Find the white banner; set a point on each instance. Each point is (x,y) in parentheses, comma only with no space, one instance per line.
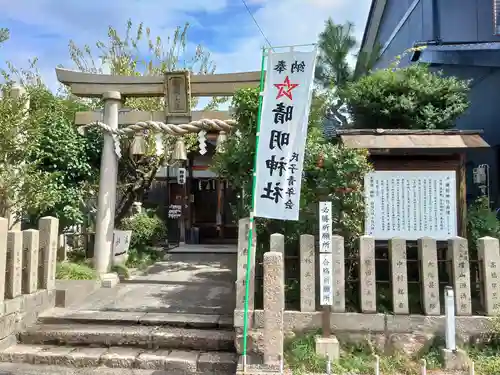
(411,204)
(325,227)
(283,132)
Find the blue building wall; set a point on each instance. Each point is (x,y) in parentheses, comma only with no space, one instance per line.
(449,20)
(452,21)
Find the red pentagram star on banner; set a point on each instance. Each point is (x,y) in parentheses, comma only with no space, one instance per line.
(289,87)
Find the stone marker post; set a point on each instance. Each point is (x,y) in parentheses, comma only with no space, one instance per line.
(307,274)
(459,252)
(48,232)
(14,274)
(338,274)
(427,254)
(274,306)
(243,231)
(489,258)
(399,276)
(4,225)
(367,274)
(277,243)
(30,261)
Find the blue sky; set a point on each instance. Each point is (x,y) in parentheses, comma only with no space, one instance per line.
(43,28)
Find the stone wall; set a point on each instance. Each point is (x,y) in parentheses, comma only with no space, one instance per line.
(28,266)
(272,320)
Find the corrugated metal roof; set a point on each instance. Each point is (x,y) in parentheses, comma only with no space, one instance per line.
(413,141)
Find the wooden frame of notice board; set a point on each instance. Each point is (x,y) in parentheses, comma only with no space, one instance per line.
(419,150)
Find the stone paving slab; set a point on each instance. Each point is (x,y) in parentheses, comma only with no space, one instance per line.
(66,316)
(174,361)
(138,336)
(182,283)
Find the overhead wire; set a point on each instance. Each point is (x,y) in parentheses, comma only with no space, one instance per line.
(257,24)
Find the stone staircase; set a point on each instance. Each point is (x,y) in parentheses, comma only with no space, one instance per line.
(150,343)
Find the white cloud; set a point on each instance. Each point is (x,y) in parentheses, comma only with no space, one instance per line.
(43,28)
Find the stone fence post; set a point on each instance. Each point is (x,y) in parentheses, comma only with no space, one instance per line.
(307,274)
(427,255)
(338,254)
(489,258)
(4,226)
(243,231)
(274,306)
(14,274)
(459,253)
(367,274)
(48,236)
(399,276)
(30,261)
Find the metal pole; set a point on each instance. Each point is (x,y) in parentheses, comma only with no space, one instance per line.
(377,365)
(106,200)
(449,311)
(423,370)
(328,365)
(472,370)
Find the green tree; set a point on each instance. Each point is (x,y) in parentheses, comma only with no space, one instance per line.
(122,55)
(23,184)
(67,156)
(336,44)
(4,34)
(58,165)
(406,98)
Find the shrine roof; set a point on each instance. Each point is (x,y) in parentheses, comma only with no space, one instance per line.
(411,139)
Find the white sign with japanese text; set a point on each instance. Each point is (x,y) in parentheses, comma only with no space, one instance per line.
(283,132)
(121,244)
(411,204)
(325,227)
(326,279)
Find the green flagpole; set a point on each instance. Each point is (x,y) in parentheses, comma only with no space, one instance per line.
(250,231)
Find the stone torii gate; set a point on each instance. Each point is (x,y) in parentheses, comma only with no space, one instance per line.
(176,120)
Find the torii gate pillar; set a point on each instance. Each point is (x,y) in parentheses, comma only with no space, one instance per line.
(106,200)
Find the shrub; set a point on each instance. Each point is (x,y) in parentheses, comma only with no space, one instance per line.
(481,222)
(147,229)
(412,97)
(75,271)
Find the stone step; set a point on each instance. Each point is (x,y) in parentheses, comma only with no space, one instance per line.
(61,315)
(171,361)
(148,337)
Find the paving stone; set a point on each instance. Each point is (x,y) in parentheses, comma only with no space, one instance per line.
(218,362)
(20,353)
(53,355)
(120,357)
(86,357)
(156,360)
(182,361)
(193,339)
(226,321)
(183,320)
(61,315)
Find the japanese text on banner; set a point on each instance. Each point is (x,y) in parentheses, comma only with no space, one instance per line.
(283,133)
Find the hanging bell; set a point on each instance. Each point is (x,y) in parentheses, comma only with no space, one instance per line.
(179,151)
(221,138)
(138,146)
